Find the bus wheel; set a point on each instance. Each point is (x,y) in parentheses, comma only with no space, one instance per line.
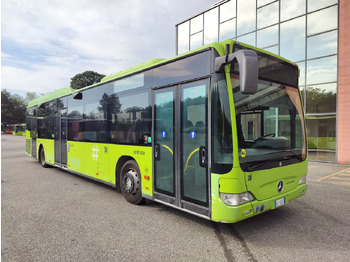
(130,183)
(42,158)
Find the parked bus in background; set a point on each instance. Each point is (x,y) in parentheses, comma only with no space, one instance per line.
(218,132)
(19,129)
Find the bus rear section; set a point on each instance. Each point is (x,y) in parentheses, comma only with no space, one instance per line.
(269,144)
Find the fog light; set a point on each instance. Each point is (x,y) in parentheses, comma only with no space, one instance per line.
(262,207)
(302,180)
(236,199)
(247,212)
(256,210)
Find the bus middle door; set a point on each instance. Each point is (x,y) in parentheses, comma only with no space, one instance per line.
(61,137)
(180,146)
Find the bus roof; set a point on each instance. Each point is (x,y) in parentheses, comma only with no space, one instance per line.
(219,46)
(50,96)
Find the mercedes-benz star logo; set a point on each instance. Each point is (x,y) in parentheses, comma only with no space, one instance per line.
(280,186)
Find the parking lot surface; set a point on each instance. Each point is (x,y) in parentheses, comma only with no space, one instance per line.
(52,215)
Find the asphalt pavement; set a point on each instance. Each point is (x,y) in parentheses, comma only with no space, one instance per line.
(52,215)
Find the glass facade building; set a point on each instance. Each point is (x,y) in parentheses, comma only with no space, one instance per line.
(303,31)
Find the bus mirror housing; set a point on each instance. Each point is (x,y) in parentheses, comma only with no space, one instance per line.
(78,96)
(248,68)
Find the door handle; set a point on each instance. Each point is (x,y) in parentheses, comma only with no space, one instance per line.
(157,151)
(203,156)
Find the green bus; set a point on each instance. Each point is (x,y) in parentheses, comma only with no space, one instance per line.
(19,129)
(218,132)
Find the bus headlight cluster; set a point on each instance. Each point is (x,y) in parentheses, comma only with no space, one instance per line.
(236,199)
(302,180)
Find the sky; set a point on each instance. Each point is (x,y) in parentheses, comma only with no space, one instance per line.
(44,43)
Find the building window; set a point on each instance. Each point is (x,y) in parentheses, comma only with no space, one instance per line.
(322,70)
(227,11)
(292,39)
(313,5)
(196,40)
(183,38)
(322,21)
(321,98)
(196,24)
(228,30)
(211,26)
(246,17)
(268,15)
(321,137)
(292,9)
(264,2)
(303,31)
(267,37)
(322,45)
(247,39)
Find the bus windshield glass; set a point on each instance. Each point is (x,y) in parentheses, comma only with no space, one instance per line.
(270,124)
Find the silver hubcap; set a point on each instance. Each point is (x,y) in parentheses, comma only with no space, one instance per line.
(131,182)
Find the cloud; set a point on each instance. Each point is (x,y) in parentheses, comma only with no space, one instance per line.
(45,43)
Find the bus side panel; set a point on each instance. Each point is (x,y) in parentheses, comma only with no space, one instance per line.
(75,157)
(28,144)
(49,148)
(89,159)
(96,161)
(143,157)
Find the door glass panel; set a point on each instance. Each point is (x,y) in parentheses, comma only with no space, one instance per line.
(164,142)
(193,135)
(33,136)
(64,136)
(57,139)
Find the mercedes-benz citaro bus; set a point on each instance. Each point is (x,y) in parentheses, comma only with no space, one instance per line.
(218,132)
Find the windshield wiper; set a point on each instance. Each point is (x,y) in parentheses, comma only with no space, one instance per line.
(254,167)
(298,156)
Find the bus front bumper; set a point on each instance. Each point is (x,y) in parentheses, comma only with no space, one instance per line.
(231,214)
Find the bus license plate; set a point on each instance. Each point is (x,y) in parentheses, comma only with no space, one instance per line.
(280,202)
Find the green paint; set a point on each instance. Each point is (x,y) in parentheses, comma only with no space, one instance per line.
(99,161)
(50,96)
(49,148)
(264,192)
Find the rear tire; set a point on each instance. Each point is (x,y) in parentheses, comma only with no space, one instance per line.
(130,183)
(42,158)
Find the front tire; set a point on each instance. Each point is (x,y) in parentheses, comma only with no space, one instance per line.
(42,158)
(130,183)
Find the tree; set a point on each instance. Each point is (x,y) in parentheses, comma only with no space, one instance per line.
(85,79)
(29,96)
(13,108)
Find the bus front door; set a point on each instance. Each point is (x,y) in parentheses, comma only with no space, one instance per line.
(180,146)
(61,137)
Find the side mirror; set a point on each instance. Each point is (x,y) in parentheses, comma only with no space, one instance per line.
(78,96)
(248,69)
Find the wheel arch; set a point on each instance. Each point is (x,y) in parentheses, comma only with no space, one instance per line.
(118,168)
(39,149)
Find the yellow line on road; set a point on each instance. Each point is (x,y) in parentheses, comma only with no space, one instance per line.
(339,183)
(334,174)
(339,177)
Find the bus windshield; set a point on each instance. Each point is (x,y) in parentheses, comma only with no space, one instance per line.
(270,124)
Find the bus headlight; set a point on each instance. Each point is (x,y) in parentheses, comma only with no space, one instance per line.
(236,199)
(302,180)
